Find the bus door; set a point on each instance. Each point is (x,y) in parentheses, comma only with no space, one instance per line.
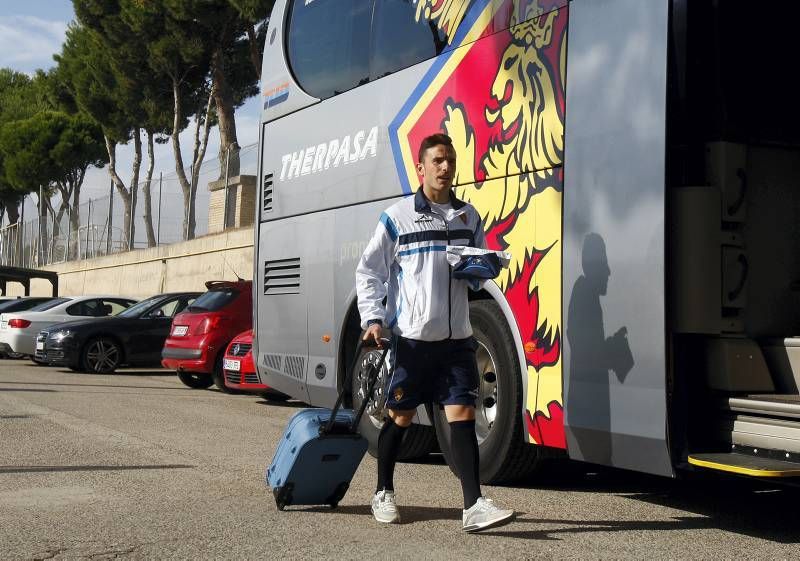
(614,193)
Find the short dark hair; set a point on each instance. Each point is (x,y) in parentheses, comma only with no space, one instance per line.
(431,141)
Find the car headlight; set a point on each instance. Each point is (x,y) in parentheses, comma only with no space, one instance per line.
(60,335)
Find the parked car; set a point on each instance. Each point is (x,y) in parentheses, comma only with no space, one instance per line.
(18,330)
(20,304)
(196,345)
(240,372)
(134,336)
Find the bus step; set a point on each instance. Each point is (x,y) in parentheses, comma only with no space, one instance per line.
(743,464)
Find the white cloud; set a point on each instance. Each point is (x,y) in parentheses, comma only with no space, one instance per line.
(29,42)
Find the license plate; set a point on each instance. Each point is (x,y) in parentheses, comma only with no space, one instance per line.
(180,330)
(229,364)
(39,345)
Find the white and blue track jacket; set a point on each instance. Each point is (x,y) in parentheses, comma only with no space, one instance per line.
(405,262)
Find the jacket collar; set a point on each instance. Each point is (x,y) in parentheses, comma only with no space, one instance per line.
(422,204)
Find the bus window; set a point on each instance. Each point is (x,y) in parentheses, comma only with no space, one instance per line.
(328,44)
(399,40)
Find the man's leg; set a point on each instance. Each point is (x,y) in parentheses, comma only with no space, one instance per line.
(464,448)
(389,440)
(384,506)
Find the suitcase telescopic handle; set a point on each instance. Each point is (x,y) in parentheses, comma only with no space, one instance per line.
(373,378)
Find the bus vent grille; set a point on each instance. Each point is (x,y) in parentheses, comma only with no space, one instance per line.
(282,276)
(296,367)
(267,198)
(273,362)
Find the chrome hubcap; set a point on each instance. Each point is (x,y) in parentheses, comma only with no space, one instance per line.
(102,355)
(374,410)
(486,404)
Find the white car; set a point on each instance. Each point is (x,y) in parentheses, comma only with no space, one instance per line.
(18,330)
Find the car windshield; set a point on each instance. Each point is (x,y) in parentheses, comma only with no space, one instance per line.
(138,308)
(48,305)
(214,299)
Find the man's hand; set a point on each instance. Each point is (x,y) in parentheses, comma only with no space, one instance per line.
(374,332)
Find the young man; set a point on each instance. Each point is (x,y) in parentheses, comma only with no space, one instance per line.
(404,284)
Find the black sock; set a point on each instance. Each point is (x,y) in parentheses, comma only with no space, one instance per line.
(389,440)
(464,447)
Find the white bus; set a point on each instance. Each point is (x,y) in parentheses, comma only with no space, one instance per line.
(637,158)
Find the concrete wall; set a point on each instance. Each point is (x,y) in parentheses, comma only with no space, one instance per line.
(142,273)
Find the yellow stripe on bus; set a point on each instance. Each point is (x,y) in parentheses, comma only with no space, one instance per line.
(754,472)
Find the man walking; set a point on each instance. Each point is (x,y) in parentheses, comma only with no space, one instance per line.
(405,284)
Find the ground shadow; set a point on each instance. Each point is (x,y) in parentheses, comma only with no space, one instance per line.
(24,389)
(291,404)
(49,469)
(680,523)
(181,388)
(410,514)
(738,505)
(122,372)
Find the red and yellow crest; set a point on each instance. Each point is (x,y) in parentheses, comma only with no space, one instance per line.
(498,92)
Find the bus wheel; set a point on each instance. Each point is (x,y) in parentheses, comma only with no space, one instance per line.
(418,440)
(504,454)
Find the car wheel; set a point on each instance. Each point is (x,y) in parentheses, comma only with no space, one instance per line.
(195,380)
(504,454)
(418,440)
(101,355)
(219,373)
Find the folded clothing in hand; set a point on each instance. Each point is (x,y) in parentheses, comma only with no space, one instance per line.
(472,263)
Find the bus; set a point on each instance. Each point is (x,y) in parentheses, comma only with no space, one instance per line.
(637,159)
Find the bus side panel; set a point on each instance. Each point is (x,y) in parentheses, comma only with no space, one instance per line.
(282,288)
(614,162)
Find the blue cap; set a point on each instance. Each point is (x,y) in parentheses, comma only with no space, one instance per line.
(478,267)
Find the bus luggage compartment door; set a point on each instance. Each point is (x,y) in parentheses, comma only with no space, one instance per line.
(281,324)
(614,197)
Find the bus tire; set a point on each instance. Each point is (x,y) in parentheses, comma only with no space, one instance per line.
(418,441)
(504,454)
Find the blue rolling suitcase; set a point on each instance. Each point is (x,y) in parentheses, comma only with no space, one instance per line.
(321,449)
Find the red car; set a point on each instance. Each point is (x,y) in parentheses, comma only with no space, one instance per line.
(240,372)
(199,336)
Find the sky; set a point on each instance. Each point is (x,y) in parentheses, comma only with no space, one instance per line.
(32,31)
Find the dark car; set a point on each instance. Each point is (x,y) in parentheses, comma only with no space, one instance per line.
(196,346)
(134,336)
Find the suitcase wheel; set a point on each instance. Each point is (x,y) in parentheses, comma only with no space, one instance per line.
(283,495)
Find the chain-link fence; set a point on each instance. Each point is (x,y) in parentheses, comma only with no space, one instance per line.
(100,226)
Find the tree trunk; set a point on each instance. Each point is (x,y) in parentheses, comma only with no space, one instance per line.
(148,201)
(13,213)
(130,218)
(226,119)
(111,147)
(186,188)
(252,42)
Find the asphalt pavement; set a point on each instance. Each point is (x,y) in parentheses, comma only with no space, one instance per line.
(135,465)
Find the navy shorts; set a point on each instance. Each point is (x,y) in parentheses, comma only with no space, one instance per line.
(443,372)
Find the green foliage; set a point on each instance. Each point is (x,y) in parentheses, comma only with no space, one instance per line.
(253,11)
(49,147)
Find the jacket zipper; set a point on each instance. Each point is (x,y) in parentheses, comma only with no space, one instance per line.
(449,280)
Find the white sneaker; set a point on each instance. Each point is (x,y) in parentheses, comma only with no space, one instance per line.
(384,508)
(484,514)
